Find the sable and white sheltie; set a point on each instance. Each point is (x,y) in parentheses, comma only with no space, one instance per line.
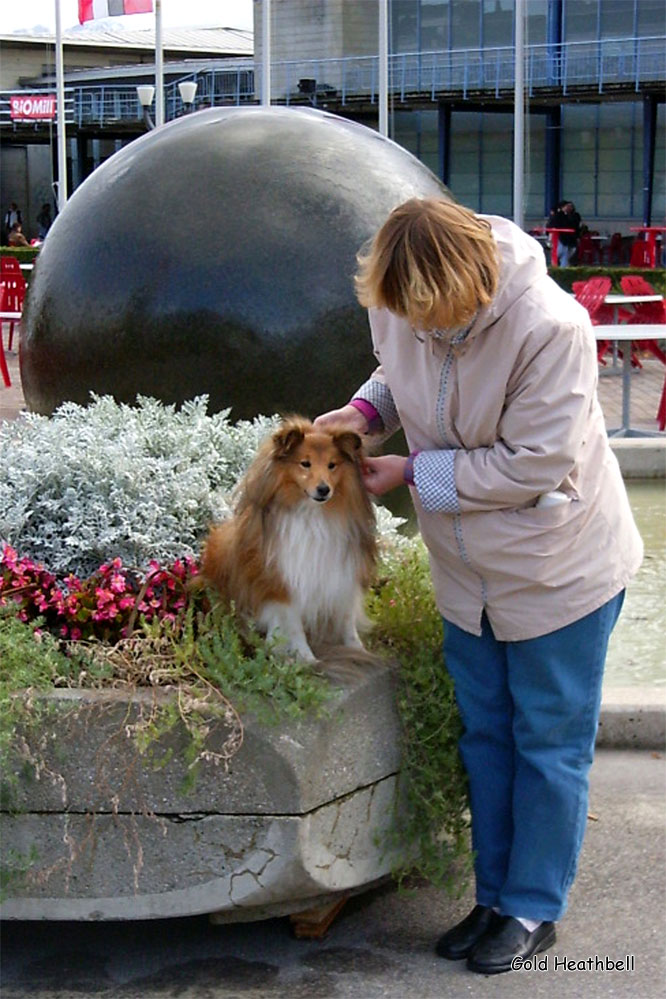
(300,549)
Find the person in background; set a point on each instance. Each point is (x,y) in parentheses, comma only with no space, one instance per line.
(565,216)
(12,215)
(16,237)
(491,370)
(44,221)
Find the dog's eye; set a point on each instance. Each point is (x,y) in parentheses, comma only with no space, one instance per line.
(331,465)
(305,464)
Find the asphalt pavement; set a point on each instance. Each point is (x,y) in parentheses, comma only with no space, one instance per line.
(611,942)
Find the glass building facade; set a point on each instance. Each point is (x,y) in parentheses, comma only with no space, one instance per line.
(599,138)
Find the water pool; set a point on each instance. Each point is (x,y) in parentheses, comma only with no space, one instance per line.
(637,651)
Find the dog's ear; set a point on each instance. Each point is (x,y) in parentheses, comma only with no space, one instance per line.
(349,443)
(286,439)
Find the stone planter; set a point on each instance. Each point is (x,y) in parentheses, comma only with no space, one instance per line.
(293,822)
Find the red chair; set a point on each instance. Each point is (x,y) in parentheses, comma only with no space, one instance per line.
(587,251)
(645,312)
(591,294)
(615,249)
(11,277)
(13,295)
(9,265)
(4,370)
(640,254)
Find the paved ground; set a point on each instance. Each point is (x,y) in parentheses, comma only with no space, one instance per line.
(382,943)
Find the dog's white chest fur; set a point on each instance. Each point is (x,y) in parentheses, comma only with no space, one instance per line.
(317,558)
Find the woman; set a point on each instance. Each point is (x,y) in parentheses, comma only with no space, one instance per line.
(44,221)
(16,237)
(564,217)
(491,371)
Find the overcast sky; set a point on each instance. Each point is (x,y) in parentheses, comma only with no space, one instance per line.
(28,14)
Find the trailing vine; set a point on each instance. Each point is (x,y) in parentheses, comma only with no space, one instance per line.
(430,829)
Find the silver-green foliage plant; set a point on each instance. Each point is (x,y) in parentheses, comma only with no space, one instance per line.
(108,480)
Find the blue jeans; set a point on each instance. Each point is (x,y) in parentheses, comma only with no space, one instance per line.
(530,711)
(564,254)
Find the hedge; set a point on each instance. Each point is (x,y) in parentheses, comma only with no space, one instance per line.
(24,254)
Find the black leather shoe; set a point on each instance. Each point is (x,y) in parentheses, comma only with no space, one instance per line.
(459,941)
(507,940)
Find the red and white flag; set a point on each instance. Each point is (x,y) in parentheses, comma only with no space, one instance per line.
(91,10)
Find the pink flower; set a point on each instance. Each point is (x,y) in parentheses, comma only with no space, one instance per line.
(9,556)
(103,602)
(118,583)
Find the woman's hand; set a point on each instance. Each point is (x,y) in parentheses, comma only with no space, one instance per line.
(348,416)
(383,473)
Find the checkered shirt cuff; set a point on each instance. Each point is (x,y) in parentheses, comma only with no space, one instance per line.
(435,482)
(378,394)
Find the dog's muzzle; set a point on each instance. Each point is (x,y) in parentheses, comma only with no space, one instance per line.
(322,493)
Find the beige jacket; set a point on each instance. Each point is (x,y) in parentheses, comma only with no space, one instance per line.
(516,400)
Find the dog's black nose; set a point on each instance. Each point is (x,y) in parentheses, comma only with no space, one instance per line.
(322,491)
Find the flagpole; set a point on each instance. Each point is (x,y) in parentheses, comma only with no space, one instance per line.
(382,82)
(159,66)
(519,115)
(266,53)
(60,105)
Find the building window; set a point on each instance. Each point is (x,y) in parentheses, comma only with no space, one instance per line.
(659,192)
(617,19)
(404,26)
(497,22)
(534,184)
(481,161)
(466,24)
(580,20)
(619,160)
(417,131)
(651,16)
(537,21)
(434,25)
(579,156)
(602,160)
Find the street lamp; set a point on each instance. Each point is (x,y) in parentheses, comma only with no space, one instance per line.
(188,89)
(145,95)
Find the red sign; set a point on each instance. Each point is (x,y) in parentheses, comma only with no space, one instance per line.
(31,106)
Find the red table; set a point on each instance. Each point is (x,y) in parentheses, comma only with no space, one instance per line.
(650,238)
(555,239)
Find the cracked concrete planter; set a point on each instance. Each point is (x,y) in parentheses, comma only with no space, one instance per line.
(295,820)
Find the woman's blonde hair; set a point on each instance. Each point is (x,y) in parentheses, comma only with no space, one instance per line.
(432,262)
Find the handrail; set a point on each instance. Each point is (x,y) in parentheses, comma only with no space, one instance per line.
(603,63)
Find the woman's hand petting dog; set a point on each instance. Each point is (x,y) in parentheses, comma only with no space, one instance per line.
(383,473)
(347,416)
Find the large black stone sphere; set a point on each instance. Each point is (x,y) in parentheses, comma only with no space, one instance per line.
(216,255)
